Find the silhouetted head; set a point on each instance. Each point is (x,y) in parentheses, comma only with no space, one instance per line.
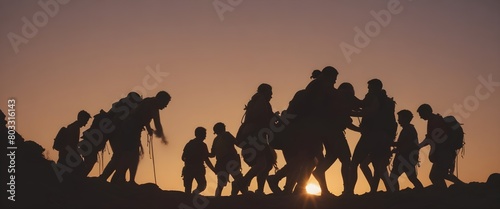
(424,111)
(200,133)
(83,118)
(375,85)
(265,90)
(163,99)
(346,88)
(315,74)
(329,74)
(404,117)
(219,128)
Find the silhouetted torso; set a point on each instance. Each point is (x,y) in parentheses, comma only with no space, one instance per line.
(407,140)
(195,152)
(223,146)
(259,111)
(144,113)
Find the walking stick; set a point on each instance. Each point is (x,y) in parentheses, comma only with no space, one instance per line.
(152,156)
(456,165)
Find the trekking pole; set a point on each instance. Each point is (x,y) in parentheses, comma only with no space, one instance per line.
(102,161)
(99,163)
(153,156)
(457,165)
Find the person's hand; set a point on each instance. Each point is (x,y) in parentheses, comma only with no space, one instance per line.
(159,134)
(164,140)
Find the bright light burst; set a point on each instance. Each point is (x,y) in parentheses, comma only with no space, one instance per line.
(313,189)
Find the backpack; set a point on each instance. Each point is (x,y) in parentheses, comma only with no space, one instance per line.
(298,104)
(60,140)
(456,135)
(388,107)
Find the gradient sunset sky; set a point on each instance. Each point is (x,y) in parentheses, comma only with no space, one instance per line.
(88,54)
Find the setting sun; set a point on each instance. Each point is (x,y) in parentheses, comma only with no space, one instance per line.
(313,189)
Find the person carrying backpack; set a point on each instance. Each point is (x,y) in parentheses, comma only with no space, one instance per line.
(443,153)
(67,139)
(256,153)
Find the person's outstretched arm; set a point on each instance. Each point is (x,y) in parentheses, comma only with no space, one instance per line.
(159,129)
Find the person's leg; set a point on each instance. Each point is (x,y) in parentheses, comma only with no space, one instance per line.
(255,169)
(202,183)
(188,183)
(360,154)
(235,172)
(89,161)
(270,160)
(133,164)
(396,172)
(450,176)
(324,164)
(437,175)
(122,165)
(380,172)
(412,176)
(304,176)
(345,159)
(110,167)
(222,176)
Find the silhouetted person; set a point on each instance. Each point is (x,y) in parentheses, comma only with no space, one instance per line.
(406,158)
(129,134)
(256,153)
(336,145)
(195,153)
(119,112)
(378,130)
(307,132)
(90,159)
(228,161)
(71,137)
(442,154)
(298,107)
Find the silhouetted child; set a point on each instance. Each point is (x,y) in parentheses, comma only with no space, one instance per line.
(194,154)
(228,160)
(406,151)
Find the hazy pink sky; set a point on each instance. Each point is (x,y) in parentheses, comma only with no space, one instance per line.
(88,54)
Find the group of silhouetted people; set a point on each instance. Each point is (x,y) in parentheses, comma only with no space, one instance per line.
(310,133)
(121,126)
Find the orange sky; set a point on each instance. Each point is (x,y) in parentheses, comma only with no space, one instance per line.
(87,54)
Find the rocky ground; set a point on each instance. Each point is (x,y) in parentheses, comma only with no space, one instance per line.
(98,194)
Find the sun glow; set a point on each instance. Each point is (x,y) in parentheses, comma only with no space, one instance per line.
(313,189)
